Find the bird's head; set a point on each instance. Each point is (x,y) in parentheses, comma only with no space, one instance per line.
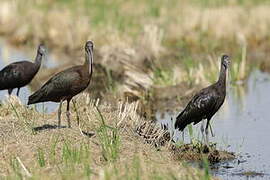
(225,61)
(41,49)
(89,46)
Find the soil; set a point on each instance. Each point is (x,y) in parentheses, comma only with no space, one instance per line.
(196,152)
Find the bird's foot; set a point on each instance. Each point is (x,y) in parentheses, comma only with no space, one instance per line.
(207,137)
(202,129)
(183,136)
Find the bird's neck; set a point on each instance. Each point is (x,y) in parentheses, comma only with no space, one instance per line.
(38,60)
(222,75)
(89,62)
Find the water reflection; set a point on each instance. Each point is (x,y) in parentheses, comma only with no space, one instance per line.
(242,126)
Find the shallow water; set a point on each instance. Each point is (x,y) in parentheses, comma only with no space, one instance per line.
(8,55)
(243,126)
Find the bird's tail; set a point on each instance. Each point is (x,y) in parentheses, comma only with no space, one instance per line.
(34,98)
(181,122)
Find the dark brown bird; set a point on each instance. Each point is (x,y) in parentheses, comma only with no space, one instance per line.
(19,74)
(66,84)
(206,102)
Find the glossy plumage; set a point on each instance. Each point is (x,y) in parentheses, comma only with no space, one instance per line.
(206,102)
(19,74)
(66,84)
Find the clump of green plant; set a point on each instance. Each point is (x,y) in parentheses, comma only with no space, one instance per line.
(212,69)
(41,157)
(163,77)
(138,169)
(189,65)
(112,86)
(190,132)
(206,169)
(52,150)
(22,114)
(109,138)
(16,168)
(239,69)
(19,169)
(75,156)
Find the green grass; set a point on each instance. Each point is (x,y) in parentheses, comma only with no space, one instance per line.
(189,66)
(219,3)
(67,161)
(239,69)
(52,149)
(76,160)
(114,14)
(21,115)
(206,169)
(17,174)
(41,157)
(190,132)
(111,83)
(109,139)
(15,111)
(163,77)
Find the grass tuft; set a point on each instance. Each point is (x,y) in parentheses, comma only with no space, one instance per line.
(41,157)
(109,139)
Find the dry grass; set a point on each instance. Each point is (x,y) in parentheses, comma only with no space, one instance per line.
(69,24)
(129,42)
(27,150)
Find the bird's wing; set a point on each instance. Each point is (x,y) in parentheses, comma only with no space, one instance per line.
(201,105)
(15,68)
(11,74)
(197,109)
(60,84)
(10,70)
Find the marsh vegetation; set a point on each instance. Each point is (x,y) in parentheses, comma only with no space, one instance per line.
(150,56)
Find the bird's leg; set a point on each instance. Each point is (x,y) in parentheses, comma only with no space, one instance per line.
(75,107)
(10,91)
(207,124)
(206,131)
(68,113)
(213,135)
(202,127)
(206,128)
(202,131)
(18,91)
(183,136)
(207,137)
(59,113)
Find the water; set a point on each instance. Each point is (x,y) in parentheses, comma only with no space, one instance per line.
(9,55)
(242,126)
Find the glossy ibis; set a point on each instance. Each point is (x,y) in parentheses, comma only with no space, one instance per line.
(206,102)
(19,74)
(66,84)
